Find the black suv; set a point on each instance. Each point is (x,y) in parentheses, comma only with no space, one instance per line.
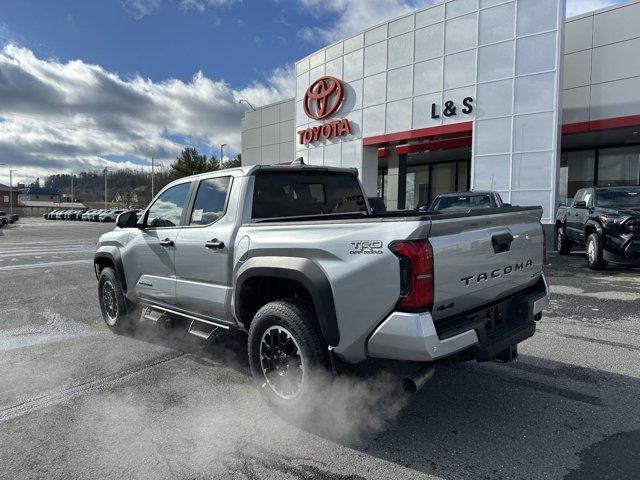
(607,221)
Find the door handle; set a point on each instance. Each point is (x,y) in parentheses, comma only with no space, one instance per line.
(214,244)
(166,243)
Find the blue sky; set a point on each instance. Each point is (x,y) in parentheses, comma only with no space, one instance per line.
(91,83)
(239,41)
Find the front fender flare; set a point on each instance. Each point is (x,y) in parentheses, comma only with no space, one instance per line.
(113,256)
(592,224)
(304,271)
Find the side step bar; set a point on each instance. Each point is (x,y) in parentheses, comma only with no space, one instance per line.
(199,327)
(202,329)
(149,313)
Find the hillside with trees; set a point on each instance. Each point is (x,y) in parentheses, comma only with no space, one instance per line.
(133,186)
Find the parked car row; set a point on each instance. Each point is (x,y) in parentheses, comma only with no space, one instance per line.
(85,215)
(7,218)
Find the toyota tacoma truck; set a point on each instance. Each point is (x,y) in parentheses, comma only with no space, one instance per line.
(295,257)
(607,221)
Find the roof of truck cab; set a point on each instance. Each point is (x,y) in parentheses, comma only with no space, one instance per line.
(468,194)
(301,168)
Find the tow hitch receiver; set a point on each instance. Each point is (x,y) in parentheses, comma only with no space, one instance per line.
(508,354)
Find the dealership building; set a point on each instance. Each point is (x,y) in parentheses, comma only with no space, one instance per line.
(501,95)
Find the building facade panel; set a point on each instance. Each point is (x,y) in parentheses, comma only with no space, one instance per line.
(616,24)
(467,94)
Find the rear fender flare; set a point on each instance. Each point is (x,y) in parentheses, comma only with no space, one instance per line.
(310,275)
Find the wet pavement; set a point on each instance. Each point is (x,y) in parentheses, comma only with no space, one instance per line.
(77,401)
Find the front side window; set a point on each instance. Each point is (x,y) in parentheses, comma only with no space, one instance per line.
(166,211)
(588,197)
(210,201)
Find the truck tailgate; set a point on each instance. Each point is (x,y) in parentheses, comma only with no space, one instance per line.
(479,259)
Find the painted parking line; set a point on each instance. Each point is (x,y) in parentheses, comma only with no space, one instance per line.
(45,265)
(66,251)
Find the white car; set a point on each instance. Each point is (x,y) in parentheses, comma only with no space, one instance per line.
(110,215)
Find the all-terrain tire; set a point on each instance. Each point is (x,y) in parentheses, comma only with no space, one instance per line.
(595,258)
(273,323)
(117,312)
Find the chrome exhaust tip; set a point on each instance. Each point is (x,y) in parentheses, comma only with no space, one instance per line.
(414,382)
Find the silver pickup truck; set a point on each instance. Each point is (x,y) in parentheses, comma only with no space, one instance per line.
(294,256)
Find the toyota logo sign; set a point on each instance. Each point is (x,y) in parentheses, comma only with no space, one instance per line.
(323,98)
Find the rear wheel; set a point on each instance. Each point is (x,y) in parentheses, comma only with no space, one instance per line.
(564,244)
(595,258)
(287,353)
(117,312)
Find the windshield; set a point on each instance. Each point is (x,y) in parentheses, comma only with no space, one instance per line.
(462,202)
(619,198)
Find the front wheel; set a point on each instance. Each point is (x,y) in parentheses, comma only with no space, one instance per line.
(595,258)
(117,312)
(287,354)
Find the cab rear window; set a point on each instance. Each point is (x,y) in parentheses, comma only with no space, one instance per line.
(295,194)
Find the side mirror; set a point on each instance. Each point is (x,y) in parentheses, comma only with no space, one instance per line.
(127,220)
(581,204)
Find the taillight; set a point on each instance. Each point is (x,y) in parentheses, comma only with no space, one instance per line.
(416,273)
(544,246)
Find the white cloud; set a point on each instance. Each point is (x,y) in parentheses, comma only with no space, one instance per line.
(352,16)
(576,7)
(346,17)
(201,5)
(140,8)
(72,116)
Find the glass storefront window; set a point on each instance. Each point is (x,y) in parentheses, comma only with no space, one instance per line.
(383,184)
(417,186)
(619,166)
(444,178)
(463,176)
(424,182)
(576,171)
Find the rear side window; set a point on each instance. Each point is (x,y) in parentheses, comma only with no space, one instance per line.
(211,200)
(167,209)
(300,194)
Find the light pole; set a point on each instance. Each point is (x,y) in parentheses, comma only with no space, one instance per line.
(222,153)
(11,189)
(105,187)
(2,165)
(72,175)
(242,100)
(152,174)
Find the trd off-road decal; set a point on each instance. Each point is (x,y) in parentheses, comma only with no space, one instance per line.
(366,247)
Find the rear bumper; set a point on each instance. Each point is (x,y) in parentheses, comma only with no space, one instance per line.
(416,337)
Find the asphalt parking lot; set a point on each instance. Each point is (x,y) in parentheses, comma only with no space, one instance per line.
(77,401)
